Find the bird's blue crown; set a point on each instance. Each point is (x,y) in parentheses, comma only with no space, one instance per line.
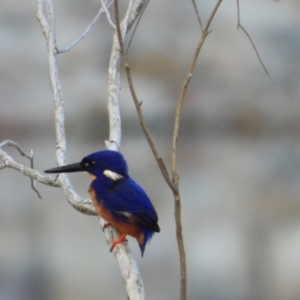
(100,161)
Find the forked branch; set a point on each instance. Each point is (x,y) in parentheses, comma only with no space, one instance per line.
(137,103)
(173,181)
(88,29)
(9,162)
(129,269)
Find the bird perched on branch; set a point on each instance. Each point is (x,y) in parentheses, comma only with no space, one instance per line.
(118,199)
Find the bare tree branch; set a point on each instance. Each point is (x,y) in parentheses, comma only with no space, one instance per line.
(47,22)
(129,269)
(136,25)
(87,30)
(175,178)
(133,11)
(173,184)
(134,283)
(238,14)
(33,181)
(197,14)
(42,19)
(79,203)
(239,25)
(109,20)
(138,104)
(205,33)
(9,162)
(212,15)
(23,153)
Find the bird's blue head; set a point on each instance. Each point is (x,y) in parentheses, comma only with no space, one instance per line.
(110,163)
(105,161)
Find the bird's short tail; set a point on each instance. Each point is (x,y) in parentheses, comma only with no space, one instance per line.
(147,237)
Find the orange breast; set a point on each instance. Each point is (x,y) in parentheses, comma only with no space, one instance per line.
(123,227)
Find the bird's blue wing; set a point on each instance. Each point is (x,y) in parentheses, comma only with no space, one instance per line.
(126,200)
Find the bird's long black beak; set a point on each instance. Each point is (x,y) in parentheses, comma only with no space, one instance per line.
(78,167)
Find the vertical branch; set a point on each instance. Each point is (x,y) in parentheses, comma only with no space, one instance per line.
(61,145)
(205,33)
(134,283)
(174,182)
(48,27)
(128,266)
(175,177)
(197,14)
(135,7)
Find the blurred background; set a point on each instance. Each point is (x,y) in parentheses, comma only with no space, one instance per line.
(238,151)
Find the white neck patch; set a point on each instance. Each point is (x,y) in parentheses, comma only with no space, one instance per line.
(112,175)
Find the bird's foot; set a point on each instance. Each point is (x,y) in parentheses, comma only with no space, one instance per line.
(120,240)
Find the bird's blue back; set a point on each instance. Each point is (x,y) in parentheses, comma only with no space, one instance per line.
(126,196)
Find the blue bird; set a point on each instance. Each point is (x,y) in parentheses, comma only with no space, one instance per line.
(118,199)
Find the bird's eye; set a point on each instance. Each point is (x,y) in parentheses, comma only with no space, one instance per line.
(89,164)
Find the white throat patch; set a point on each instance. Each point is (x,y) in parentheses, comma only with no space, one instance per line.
(112,175)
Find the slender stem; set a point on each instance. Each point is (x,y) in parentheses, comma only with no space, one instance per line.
(175,177)
(85,33)
(197,14)
(30,172)
(212,15)
(239,25)
(109,20)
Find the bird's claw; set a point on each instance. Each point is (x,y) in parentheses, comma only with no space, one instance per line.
(106,225)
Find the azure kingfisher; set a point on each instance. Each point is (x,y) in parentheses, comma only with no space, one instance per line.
(118,199)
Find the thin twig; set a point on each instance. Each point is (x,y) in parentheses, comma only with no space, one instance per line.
(107,14)
(175,177)
(197,14)
(23,153)
(87,30)
(212,15)
(81,204)
(15,145)
(239,25)
(9,162)
(136,26)
(189,74)
(42,19)
(33,181)
(257,53)
(238,14)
